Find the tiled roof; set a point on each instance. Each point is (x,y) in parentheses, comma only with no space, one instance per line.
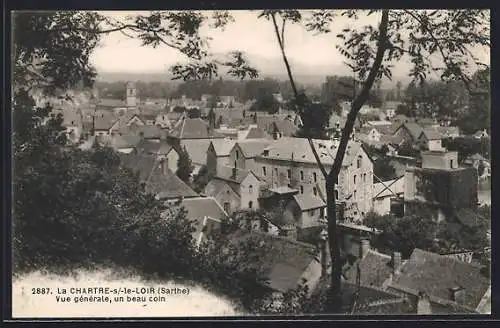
(70,118)
(285,260)
(373,300)
(222,147)
(150,147)
(252,148)
(124,141)
(137,163)
(199,207)
(167,185)
(308,201)
(413,128)
(436,274)
(152,132)
(197,150)
(194,128)
(218,184)
(226,173)
(257,133)
(122,120)
(104,120)
(375,269)
(159,183)
(299,150)
(286,127)
(431,133)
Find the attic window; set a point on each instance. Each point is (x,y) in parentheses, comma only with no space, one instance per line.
(315,177)
(301,189)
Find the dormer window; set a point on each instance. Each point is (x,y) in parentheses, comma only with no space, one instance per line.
(359,162)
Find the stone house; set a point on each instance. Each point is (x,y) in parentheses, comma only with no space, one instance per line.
(243,154)
(158,179)
(305,211)
(218,154)
(440,184)
(235,189)
(430,139)
(291,162)
(409,132)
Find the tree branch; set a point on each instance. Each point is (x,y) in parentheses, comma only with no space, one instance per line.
(283,33)
(361,98)
(447,61)
(300,101)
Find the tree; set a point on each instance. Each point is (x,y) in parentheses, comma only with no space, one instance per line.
(315,121)
(265,102)
(383,169)
(194,113)
(436,98)
(399,85)
(184,166)
(211,118)
(201,179)
(369,54)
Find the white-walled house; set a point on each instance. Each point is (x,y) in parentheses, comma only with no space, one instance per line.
(291,162)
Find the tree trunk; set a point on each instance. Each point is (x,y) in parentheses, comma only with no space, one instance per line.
(334,297)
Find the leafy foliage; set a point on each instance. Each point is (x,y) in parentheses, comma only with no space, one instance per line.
(315,118)
(201,179)
(265,102)
(422,231)
(184,166)
(466,146)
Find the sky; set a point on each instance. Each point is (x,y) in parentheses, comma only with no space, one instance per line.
(118,53)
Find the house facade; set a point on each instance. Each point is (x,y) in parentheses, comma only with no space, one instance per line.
(290,162)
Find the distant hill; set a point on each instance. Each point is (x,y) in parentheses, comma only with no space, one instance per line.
(304,73)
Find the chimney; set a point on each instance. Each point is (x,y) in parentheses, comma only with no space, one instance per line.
(396,262)
(364,248)
(423,304)
(164,165)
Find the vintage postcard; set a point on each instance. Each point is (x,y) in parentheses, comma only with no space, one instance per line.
(250,162)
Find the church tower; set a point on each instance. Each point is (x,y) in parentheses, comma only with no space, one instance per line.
(131,95)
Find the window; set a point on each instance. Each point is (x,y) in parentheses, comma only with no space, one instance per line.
(237,154)
(315,191)
(315,177)
(354,179)
(354,194)
(336,192)
(359,162)
(226,207)
(364,177)
(264,171)
(451,163)
(301,189)
(250,204)
(289,173)
(250,189)
(313,212)
(276,172)
(301,175)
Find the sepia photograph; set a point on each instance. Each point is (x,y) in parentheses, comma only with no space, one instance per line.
(250,163)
